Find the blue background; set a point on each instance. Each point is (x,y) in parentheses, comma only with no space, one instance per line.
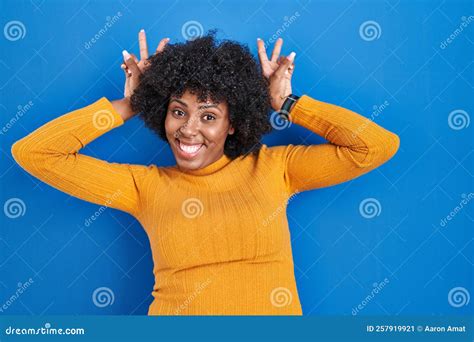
(339,254)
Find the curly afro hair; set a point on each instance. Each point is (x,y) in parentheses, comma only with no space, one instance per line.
(221,71)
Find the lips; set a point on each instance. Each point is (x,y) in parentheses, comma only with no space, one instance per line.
(188,150)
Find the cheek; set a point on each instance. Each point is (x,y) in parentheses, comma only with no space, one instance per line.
(216,135)
(170,125)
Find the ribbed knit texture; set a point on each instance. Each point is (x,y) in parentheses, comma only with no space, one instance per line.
(219,235)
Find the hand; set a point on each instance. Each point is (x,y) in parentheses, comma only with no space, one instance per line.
(278,70)
(133,67)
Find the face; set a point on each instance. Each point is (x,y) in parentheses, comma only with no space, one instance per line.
(196,130)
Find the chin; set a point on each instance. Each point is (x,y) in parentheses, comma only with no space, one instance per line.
(188,165)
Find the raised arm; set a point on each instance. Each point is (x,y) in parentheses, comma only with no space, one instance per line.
(50,153)
(356,145)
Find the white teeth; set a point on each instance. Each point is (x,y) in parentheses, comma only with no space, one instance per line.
(189,148)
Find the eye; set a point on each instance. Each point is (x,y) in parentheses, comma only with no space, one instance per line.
(209,117)
(178,112)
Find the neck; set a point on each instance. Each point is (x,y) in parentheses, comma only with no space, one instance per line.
(210,168)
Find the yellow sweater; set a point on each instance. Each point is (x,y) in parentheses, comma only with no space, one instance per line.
(219,235)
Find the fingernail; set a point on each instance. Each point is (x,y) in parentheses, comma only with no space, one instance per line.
(258,39)
(291,56)
(167,39)
(142,30)
(125,54)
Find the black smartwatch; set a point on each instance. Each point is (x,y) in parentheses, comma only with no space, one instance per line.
(286,107)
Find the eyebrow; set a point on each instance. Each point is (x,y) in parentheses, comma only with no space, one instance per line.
(200,107)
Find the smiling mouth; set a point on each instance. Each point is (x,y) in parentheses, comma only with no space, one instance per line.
(188,151)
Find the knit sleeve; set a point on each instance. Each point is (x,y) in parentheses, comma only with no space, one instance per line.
(355,145)
(50,153)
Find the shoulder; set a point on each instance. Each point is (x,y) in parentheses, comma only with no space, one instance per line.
(275,157)
(142,173)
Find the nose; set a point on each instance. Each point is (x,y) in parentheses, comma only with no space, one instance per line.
(190,128)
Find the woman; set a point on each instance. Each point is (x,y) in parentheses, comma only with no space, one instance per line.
(216,220)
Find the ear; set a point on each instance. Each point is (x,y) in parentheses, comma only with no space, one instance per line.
(231,130)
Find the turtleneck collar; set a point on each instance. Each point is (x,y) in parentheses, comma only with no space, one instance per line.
(209,169)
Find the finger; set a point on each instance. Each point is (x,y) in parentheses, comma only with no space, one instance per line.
(131,56)
(127,84)
(277,49)
(162,44)
(281,60)
(143,45)
(285,64)
(291,69)
(125,70)
(262,53)
(134,58)
(131,62)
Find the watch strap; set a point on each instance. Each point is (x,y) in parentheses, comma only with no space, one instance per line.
(286,107)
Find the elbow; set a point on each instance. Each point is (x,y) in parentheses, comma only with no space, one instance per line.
(380,152)
(22,153)
(19,152)
(386,149)
(393,145)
